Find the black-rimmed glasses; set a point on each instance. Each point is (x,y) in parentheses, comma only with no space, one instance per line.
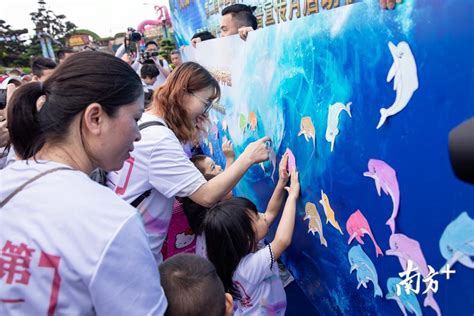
(207,103)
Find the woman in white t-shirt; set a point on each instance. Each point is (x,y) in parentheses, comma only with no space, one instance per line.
(234,231)
(159,169)
(68,245)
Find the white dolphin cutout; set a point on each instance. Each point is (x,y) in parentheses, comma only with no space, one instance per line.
(405,79)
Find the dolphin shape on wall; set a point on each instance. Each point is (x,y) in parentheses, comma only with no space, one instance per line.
(457,241)
(365,269)
(385,179)
(307,130)
(291,160)
(405,301)
(314,225)
(405,79)
(253,121)
(406,249)
(242,122)
(332,129)
(330,215)
(357,226)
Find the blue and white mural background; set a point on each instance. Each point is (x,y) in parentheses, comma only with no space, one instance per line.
(296,70)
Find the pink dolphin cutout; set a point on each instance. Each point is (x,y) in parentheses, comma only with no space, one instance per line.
(385,178)
(357,226)
(291,160)
(406,249)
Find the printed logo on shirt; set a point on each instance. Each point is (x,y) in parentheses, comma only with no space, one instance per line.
(184,239)
(245,300)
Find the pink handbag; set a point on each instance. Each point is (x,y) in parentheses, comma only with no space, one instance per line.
(180,237)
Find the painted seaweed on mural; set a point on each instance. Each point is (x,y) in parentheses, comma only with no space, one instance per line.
(364,100)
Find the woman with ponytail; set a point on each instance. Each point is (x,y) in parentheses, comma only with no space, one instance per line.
(69,245)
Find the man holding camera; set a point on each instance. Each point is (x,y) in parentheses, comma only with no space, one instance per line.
(151,55)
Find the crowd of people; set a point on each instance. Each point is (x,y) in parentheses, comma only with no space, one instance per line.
(74,246)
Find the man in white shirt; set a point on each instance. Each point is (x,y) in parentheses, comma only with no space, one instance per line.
(151,48)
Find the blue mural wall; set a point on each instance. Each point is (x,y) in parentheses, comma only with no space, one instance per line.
(193,16)
(298,70)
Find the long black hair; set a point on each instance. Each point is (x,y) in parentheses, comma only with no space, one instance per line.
(229,234)
(195,212)
(82,79)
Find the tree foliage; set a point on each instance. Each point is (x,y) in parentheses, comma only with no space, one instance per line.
(46,21)
(12,44)
(16,49)
(166,46)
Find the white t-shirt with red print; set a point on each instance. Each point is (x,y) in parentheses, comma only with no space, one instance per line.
(159,163)
(258,280)
(69,246)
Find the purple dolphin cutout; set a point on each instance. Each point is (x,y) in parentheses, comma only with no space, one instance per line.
(385,178)
(406,249)
(291,160)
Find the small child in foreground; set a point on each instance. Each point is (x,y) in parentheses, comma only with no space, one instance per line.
(192,287)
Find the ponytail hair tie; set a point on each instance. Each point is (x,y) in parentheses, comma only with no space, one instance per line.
(41,99)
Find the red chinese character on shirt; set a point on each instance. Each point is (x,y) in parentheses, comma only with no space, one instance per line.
(15,263)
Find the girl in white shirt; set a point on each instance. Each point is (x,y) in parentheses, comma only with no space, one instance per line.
(68,245)
(159,167)
(234,231)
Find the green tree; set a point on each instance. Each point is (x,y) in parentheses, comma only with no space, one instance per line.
(12,45)
(46,21)
(166,46)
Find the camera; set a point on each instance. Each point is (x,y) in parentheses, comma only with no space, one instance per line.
(148,55)
(461,150)
(146,58)
(3,89)
(133,35)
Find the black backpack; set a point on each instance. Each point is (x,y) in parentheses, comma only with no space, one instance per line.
(100,176)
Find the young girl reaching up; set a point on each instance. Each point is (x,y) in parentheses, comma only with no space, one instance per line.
(234,232)
(195,213)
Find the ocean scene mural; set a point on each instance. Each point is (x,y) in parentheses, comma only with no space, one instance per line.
(364,99)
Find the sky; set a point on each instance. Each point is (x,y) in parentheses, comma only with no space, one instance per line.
(104,17)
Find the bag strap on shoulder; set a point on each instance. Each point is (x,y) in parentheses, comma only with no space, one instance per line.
(21,187)
(150,123)
(147,193)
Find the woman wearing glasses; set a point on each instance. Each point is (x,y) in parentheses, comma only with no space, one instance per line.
(158,169)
